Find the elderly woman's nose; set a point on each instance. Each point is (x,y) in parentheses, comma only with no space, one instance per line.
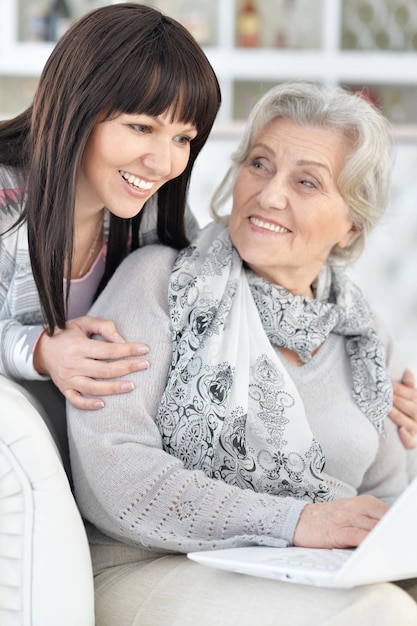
(274,194)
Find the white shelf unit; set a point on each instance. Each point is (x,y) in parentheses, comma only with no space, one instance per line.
(254,69)
(387,270)
(328,64)
(18,58)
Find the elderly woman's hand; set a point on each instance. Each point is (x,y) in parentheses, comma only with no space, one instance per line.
(404,411)
(341,523)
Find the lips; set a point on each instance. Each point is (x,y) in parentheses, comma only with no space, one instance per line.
(135,181)
(275,228)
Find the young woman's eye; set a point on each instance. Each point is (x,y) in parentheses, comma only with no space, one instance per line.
(183,139)
(141,128)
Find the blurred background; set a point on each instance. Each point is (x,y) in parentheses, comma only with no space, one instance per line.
(254,44)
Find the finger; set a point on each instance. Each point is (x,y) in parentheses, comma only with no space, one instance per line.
(363,511)
(80,402)
(408,439)
(97,326)
(82,399)
(402,419)
(404,391)
(104,351)
(98,388)
(368,522)
(405,400)
(372,507)
(97,369)
(408,378)
(351,537)
(106,329)
(352,534)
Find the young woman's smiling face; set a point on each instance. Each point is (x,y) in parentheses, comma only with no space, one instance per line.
(128,158)
(287,210)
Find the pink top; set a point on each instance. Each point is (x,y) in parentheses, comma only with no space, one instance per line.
(82,290)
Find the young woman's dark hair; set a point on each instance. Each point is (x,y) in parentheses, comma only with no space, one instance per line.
(123,58)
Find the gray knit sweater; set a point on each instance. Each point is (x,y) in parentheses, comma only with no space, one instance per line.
(131,491)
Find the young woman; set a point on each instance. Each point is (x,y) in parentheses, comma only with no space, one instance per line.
(97,166)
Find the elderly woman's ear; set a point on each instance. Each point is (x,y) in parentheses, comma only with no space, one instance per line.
(350,234)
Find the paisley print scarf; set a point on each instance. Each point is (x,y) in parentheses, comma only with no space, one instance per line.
(230,407)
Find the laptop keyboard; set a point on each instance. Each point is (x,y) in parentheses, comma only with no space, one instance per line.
(312,559)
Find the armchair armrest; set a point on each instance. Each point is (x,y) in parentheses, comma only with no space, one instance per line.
(45,568)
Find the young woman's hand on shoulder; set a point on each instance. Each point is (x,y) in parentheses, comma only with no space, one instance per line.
(74,360)
(404,411)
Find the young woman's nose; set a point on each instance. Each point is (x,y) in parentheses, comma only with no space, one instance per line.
(274,194)
(159,158)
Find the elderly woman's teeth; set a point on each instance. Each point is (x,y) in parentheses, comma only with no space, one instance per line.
(143,185)
(268,225)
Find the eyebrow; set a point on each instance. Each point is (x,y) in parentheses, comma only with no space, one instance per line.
(157,119)
(161,122)
(310,162)
(301,162)
(264,146)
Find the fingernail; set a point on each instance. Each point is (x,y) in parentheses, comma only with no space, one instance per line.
(127,386)
(99,404)
(118,338)
(141,349)
(142,365)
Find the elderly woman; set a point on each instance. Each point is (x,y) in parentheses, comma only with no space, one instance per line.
(262,420)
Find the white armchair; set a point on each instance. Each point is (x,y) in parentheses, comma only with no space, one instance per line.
(45,569)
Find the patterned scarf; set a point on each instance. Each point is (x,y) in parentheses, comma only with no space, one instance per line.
(230,407)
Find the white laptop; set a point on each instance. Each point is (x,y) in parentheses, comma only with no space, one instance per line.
(388,553)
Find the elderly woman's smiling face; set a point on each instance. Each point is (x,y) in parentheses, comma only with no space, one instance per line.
(287,210)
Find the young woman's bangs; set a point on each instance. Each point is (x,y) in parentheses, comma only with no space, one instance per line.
(190,96)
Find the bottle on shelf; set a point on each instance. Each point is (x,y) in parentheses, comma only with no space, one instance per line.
(35,27)
(58,19)
(195,22)
(248,25)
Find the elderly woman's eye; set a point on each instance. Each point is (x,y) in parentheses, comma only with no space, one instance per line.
(258,163)
(312,184)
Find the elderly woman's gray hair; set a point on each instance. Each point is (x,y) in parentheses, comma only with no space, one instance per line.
(365,179)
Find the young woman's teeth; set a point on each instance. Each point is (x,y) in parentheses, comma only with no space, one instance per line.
(143,185)
(268,225)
